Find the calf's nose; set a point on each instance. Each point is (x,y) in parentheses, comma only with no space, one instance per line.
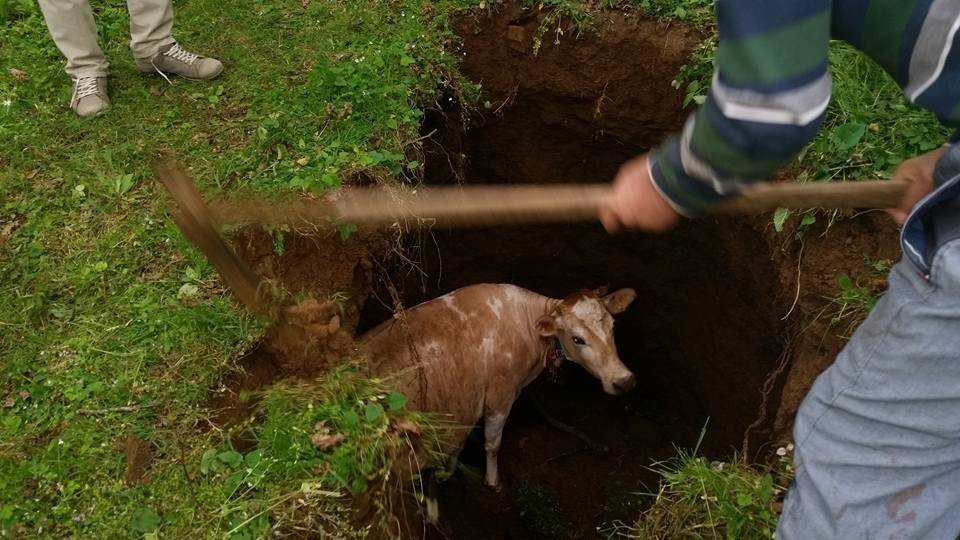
(625,384)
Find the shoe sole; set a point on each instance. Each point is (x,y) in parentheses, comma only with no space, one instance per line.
(153,73)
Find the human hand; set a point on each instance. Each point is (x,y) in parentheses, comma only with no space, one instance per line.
(635,202)
(919,172)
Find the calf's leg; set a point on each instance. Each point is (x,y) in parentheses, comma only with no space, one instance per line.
(493,433)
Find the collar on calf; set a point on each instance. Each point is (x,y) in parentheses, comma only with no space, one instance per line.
(555,356)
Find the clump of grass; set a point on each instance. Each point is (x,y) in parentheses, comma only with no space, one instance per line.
(319,445)
(855,299)
(711,500)
(560,17)
(692,11)
(870,127)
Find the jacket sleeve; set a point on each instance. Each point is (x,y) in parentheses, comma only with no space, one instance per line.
(768,98)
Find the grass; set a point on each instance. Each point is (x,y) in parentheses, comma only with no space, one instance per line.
(700,499)
(104,305)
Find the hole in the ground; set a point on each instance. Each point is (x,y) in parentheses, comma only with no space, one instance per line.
(701,337)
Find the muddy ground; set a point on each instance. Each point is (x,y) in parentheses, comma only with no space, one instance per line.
(709,336)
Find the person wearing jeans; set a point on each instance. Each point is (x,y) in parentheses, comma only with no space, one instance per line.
(74,31)
(878,437)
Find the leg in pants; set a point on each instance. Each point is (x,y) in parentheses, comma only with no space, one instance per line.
(878,437)
(151,24)
(74,31)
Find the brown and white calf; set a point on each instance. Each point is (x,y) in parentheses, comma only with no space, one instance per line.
(480,345)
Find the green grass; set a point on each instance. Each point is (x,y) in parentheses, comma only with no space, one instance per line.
(870,127)
(94,312)
(700,499)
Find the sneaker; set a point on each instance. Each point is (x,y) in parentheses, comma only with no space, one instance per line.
(173,60)
(89,96)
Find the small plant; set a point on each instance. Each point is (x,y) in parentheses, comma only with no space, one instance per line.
(695,76)
(781,215)
(715,500)
(853,299)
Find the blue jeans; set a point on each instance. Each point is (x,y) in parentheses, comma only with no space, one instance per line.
(878,436)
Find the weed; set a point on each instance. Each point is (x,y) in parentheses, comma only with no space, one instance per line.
(855,300)
(700,499)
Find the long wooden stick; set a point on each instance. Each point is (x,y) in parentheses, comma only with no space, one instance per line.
(478,205)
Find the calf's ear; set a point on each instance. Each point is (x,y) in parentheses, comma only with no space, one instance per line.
(618,301)
(547,326)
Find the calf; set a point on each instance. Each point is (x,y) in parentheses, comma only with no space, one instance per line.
(469,353)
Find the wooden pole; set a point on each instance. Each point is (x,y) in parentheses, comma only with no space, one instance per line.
(478,205)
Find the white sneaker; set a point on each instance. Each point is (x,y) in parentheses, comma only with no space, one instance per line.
(176,61)
(89,96)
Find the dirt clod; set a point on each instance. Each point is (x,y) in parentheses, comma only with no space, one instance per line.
(308,337)
(138,454)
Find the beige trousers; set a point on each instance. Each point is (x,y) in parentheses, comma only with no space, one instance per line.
(74,31)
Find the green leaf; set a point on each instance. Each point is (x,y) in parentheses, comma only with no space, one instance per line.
(233,482)
(846,284)
(849,135)
(779,218)
(744,499)
(11,424)
(231,458)
(346,231)
(766,488)
(253,458)
(359,485)
(145,520)
(808,219)
(187,290)
(396,401)
(207,462)
(350,418)
(373,412)
(406,60)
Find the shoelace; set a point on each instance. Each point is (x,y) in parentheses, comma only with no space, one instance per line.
(86,86)
(179,54)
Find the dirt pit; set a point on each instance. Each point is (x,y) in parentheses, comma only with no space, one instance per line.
(703,337)
(703,334)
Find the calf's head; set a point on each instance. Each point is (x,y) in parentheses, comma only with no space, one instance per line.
(583,323)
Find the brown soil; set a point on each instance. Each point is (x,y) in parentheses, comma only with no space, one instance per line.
(309,336)
(827,253)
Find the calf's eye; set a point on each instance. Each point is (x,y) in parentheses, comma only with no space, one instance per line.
(579,340)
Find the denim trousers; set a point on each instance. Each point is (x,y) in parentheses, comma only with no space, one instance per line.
(877,439)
